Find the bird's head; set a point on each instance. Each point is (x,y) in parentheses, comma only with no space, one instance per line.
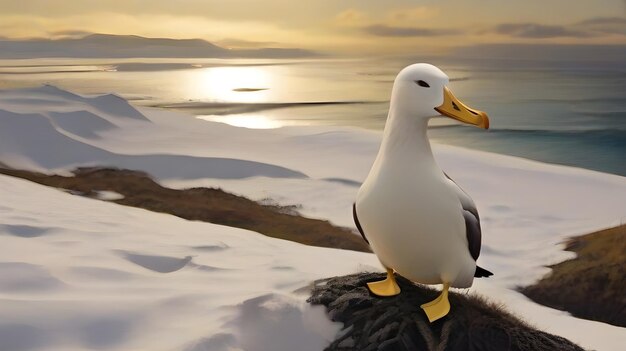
(421,91)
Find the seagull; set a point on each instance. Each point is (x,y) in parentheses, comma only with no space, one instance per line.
(418,221)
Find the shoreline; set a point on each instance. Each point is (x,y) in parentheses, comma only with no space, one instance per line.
(599,131)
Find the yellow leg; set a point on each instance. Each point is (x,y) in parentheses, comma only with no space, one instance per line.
(439,307)
(387,287)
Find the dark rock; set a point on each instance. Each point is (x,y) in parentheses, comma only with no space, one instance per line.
(398,323)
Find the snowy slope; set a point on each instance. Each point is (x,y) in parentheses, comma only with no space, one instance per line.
(81,274)
(527,208)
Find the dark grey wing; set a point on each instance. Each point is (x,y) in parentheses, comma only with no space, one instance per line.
(356,221)
(472,220)
(472,225)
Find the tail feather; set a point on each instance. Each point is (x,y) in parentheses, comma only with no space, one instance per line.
(482,273)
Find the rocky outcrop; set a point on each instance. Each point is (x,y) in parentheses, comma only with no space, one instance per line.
(398,323)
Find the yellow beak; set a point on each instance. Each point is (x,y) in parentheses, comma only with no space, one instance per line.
(454,108)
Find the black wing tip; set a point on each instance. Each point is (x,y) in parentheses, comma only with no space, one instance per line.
(356,221)
(482,273)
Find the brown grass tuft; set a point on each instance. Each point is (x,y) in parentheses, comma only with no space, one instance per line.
(593,285)
(201,204)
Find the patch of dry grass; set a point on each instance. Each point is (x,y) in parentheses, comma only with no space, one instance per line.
(593,285)
(201,204)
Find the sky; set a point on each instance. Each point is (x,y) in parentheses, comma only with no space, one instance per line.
(350,26)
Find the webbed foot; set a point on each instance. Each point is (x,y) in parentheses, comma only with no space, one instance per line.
(387,287)
(439,307)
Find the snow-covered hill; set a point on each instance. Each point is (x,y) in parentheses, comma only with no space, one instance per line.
(78,274)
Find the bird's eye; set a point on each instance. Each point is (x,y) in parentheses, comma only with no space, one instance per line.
(421,83)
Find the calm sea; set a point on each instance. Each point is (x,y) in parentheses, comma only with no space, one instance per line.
(567,113)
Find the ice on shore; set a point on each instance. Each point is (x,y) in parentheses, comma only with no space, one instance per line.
(54,130)
(82,274)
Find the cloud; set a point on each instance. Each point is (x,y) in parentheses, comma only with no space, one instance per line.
(382,30)
(592,27)
(397,17)
(240,43)
(539,31)
(412,14)
(69,33)
(350,17)
(177,27)
(608,25)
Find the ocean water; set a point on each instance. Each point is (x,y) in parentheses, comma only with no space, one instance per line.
(571,113)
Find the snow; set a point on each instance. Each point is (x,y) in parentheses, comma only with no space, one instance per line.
(107,195)
(80,274)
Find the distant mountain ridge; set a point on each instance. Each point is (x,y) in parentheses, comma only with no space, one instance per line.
(127,46)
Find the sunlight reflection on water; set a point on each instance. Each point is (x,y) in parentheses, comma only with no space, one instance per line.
(240,84)
(252,121)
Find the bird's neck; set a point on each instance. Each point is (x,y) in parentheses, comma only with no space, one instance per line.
(405,139)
